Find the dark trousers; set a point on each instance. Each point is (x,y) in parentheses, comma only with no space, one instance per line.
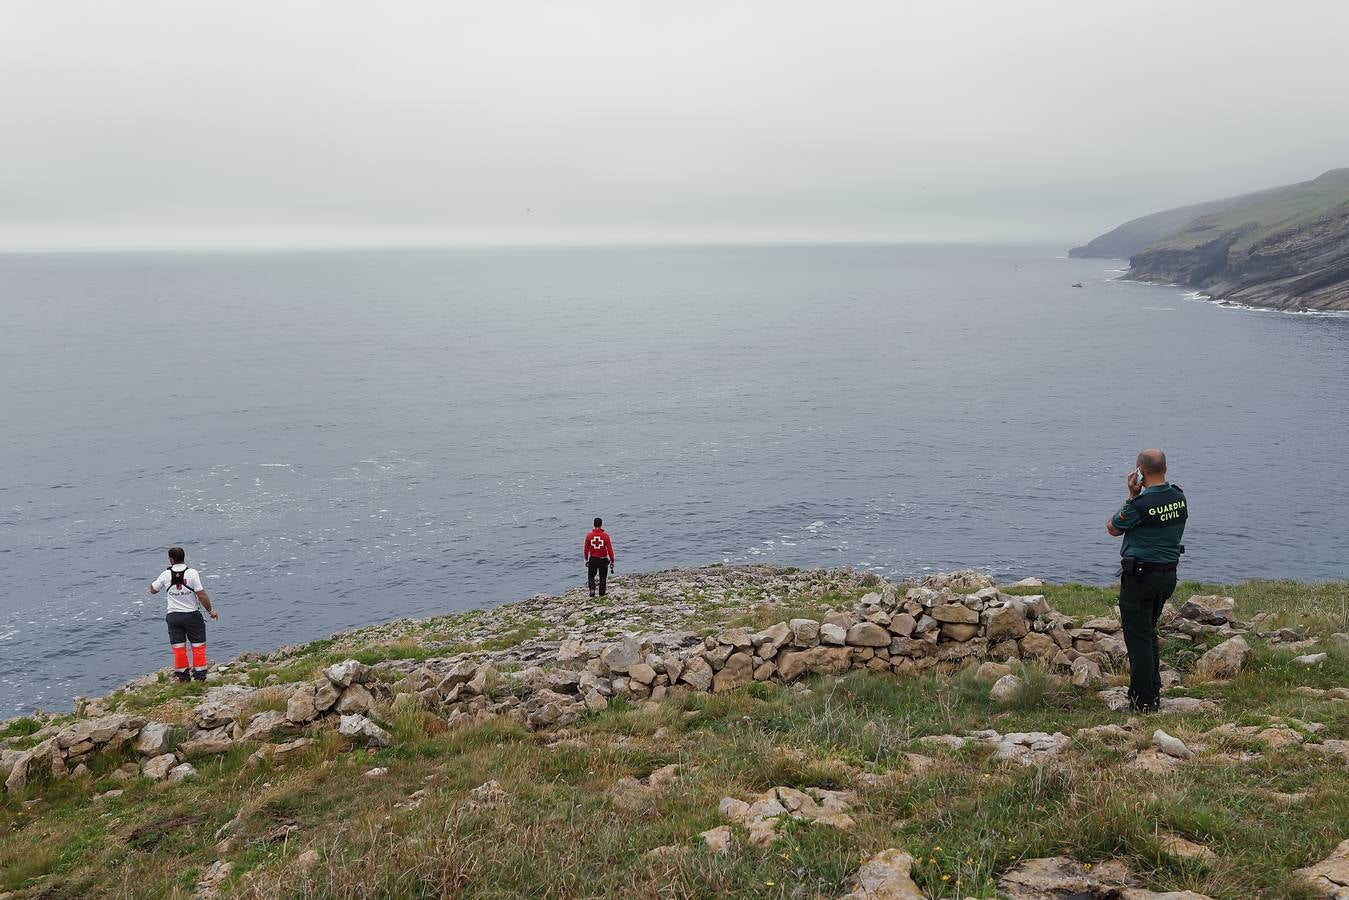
(185,627)
(1140,606)
(594,565)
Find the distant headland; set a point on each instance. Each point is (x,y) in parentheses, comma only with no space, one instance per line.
(1284,248)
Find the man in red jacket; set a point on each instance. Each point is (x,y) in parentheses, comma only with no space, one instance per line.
(598,551)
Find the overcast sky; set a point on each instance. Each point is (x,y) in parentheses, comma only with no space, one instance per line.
(183,122)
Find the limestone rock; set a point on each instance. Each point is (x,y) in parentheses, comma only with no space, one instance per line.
(209,884)
(1086,673)
(718,840)
(805,632)
(216,740)
(157,768)
(697,673)
(1008,623)
(153,739)
(217,713)
(885,876)
(642,673)
(1330,877)
(955,613)
(262,725)
(834,635)
(867,634)
(992,671)
(824,660)
(181,772)
(300,708)
(326,695)
(733,810)
(767,642)
(1311,659)
(358,726)
(739,670)
(1171,746)
(903,624)
(1037,645)
(355,699)
(959,632)
(1179,847)
(1061,877)
(1224,661)
(348,672)
(1005,689)
(489,793)
(620,656)
(738,638)
(278,753)
(762,832)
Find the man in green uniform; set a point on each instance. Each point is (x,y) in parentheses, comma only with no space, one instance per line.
(1152,523)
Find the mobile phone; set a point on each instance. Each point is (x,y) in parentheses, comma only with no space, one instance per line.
(1138,476)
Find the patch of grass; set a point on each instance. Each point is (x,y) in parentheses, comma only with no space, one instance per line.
(518,634)
(21,727)
(561,829)
(162,693)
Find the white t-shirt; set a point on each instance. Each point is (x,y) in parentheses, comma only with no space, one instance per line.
(182,598)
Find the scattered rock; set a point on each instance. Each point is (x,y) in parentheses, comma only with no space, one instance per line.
(885,876)
(207,742)
(1179,847)
(300,708)
(377,772)
(1311,659)
(867,634)
(834,635)
(733,810)
(1005,689)
(718,840)
(1155,762)
(1224,661)
(278,753)
(348,672)
(157,768)
(153,739)
(357,726)
(1171,746)
(181,772)
(738,671)
(211,880)
(1330,877)
(489,793)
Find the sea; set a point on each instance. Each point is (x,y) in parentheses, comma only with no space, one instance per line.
(342,438)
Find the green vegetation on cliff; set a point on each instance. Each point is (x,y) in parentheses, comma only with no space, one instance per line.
(615,805)
(1286,247)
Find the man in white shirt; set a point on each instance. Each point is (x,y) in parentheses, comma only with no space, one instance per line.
(184,591)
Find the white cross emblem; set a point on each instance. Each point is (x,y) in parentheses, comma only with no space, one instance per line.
(597,543)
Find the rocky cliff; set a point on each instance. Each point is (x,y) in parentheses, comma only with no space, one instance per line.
(1286,248)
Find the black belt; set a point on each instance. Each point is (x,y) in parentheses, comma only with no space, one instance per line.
(1131,566)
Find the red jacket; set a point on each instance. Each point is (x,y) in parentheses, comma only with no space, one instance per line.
(598,545)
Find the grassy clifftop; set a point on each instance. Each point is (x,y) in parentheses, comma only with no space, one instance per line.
(618,802)
(1286,247)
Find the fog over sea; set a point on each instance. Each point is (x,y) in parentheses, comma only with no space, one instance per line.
(348,437)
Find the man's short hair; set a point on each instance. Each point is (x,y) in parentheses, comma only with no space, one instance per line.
(177,555)
(598,522)
(1152,462)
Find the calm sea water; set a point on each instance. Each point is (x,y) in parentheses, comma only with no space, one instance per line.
(344,438)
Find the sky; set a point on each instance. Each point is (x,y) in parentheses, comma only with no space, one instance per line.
(141,124)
